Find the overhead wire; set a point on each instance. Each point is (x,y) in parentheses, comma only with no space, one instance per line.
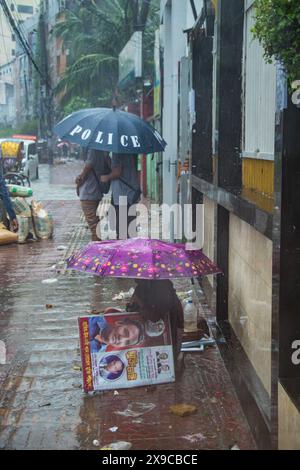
(23,41)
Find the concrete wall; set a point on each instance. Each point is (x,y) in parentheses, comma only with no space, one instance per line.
(209,232)
(250,294)
(174,44)
(288,422)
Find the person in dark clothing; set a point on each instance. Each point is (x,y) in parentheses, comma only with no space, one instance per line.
(4,196)
(125,186)
(90,190)
(154,300)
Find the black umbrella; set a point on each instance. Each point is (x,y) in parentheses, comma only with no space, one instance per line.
(110,130)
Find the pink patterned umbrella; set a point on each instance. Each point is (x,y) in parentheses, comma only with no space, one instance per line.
(141,258)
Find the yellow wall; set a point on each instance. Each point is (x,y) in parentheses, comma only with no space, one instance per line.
(258,175)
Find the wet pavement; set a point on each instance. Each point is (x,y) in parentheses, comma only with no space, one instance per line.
(42,405)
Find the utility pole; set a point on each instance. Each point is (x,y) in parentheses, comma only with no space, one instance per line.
(46,90)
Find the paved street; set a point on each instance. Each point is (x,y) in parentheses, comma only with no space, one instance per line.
(42,405)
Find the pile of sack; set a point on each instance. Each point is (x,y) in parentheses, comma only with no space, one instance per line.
(34,221)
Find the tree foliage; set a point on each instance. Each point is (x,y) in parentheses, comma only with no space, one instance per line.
(277,27)
(94,32)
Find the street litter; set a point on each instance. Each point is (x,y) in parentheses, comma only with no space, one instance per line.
(116,393)
(235,447)
(45,404)
(49,306)
(96,443)
(52,268)
(197,346)
(194,438)
(119,445)
(124,295)
(61,248)
(49,281)
(77,368)
(147,360)
(137,409)
(183,410)
(114,429)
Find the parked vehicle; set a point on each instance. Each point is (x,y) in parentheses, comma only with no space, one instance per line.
(30,162)
(26,158)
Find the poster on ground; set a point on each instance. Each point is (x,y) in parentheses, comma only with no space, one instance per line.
(121,350)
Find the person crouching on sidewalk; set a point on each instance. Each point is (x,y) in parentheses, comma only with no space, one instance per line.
(90,189)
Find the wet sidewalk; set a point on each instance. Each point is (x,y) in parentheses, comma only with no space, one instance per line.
(42,405)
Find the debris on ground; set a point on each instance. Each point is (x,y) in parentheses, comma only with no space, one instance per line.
(199,345)
(186,347)
(183,410)
(52,268)
(44,404)
(235,447)
(116,393)
(61,248)
(194,438)
(96,443)
(77,367)
(135,410)
(49,281)
(113,429)
(120,445)
(124,295)
(49,306)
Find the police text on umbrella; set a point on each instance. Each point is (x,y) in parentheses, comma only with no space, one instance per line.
(124,139)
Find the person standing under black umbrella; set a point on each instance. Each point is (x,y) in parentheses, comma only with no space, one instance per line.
(125,189)
(90,189)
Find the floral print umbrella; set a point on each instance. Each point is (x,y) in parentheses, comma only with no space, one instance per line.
(141,258)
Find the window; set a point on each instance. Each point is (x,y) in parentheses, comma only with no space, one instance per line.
(32,149)
(13,52)
(25,9)
(12,7)
(13,37)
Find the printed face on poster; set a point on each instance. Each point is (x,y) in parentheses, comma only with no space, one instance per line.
(121,350)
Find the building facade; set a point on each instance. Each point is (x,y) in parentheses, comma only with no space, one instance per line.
(20,10)
(25,92)
(233,113)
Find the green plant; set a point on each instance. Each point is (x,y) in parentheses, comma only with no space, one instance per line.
(277,27)
(29,127)
(76,104)
(95,32)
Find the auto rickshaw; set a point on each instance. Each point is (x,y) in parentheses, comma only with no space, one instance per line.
(11,156)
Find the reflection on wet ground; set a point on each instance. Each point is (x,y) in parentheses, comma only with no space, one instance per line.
(42,405)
